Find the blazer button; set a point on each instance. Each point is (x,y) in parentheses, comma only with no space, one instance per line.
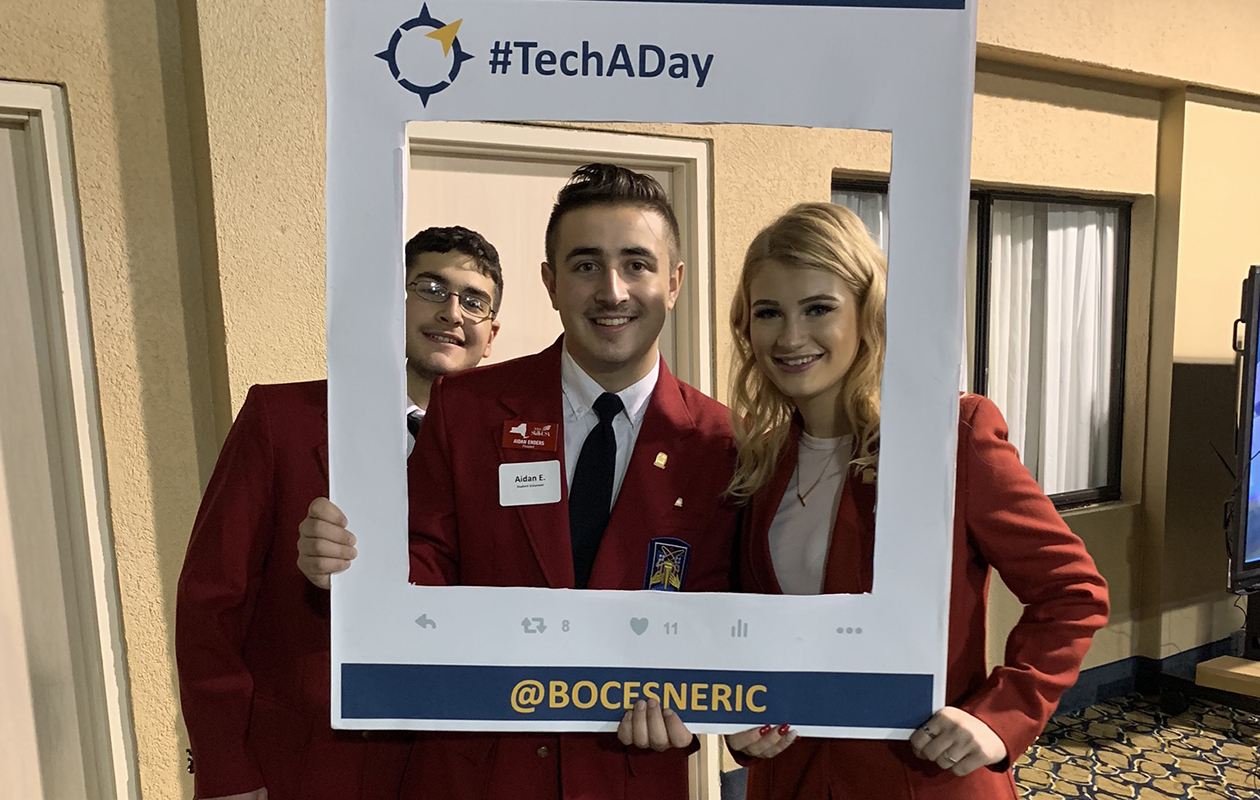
(543,752)
(367,734)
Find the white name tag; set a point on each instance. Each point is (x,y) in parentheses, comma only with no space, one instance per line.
(529,484)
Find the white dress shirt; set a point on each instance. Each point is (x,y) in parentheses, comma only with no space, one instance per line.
(800,535)
(580,393)
(412,408)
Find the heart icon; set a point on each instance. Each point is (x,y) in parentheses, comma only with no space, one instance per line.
(638,625)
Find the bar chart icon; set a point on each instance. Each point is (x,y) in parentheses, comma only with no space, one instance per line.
(739,630)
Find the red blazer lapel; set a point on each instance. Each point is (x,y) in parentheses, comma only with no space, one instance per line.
(762,508)
(536,397)
(321,450)
(647,505)
(321,456)
(850,557)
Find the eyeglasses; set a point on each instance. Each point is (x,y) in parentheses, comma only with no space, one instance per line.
(473,306)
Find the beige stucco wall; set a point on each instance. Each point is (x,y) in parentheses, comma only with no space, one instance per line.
(1159,42)
(1220,224)
(1032,129)
(120,62)
(262,66)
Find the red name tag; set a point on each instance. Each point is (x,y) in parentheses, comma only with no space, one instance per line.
(531,435)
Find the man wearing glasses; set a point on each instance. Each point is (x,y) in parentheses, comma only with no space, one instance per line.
(444,337)
(252,636)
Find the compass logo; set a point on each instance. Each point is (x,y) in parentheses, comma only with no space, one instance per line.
(417,62)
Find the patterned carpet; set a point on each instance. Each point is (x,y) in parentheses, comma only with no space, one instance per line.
(1127,748)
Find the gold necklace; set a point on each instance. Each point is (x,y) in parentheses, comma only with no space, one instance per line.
(811,489)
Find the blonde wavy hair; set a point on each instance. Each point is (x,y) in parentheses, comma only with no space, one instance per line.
(826,237)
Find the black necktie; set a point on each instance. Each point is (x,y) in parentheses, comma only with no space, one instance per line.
(590,496)
(414,419)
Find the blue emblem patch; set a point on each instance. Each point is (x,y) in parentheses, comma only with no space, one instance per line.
(666,565)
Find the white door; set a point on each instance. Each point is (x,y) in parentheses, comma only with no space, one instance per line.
(23,503)
(502,180)
(60,721)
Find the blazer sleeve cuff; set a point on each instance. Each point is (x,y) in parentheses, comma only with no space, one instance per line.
(743,759)
(694,747)
(223,773)
(1014,728)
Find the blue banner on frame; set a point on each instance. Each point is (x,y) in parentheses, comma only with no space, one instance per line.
(845,699)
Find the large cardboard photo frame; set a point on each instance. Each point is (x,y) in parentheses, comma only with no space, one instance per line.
(869,665)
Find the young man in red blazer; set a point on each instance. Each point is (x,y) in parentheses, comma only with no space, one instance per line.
(643,457)
(251,635)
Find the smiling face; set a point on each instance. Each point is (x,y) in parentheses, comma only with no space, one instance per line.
(804,334)
(440,339)
(614,281)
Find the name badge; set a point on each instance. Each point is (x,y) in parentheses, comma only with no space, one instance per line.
(531,435)
(529,484)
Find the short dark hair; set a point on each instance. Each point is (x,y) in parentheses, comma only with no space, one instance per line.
(610,185)
(461,240)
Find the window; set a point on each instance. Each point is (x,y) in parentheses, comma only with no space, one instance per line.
(1045,301)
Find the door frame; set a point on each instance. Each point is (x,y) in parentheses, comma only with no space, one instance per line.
(93,616)
(689,161)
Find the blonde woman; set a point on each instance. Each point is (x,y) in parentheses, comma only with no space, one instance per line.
(808,323)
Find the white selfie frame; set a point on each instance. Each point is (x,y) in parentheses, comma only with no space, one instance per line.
(458,658)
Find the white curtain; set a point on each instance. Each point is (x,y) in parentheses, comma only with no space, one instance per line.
(1011,317)
(1052,282)
(1051,323)
(1080,303)
(871,208)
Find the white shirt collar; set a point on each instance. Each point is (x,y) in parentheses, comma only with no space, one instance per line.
(581,391)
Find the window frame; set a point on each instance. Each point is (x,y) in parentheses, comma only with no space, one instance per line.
(1109,492)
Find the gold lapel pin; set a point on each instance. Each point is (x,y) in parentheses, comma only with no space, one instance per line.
(661,458)
(868,475)
(678,503)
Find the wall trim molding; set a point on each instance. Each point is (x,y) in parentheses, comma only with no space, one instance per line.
(1137,674)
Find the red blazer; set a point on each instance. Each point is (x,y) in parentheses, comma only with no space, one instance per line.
(251,633)
(1002,520)
(461,535)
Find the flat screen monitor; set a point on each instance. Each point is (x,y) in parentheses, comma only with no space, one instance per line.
(1244,523)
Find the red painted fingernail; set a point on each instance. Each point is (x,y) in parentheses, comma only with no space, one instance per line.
(783,729)
(765,729)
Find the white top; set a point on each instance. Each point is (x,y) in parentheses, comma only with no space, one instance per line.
(800,535)
(580,393)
